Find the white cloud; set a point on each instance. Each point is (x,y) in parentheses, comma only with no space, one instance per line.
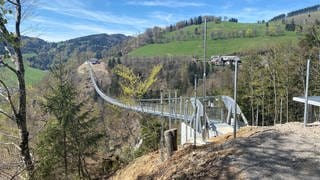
(227,5)
(249,10)
(162,16)
(66,31)
(167,3)
(77,10)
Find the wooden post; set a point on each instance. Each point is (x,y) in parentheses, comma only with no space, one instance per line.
(170,137)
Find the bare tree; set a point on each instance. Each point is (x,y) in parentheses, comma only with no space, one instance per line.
(12,44)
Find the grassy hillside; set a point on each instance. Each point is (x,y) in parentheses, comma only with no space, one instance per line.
(214,47)
(32,76)
(214,27)
(186,42)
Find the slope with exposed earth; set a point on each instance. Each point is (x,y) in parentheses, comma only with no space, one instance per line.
(287,151)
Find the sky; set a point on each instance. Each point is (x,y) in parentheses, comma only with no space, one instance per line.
(59,20)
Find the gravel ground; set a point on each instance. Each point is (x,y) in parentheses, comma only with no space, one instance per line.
(287,151)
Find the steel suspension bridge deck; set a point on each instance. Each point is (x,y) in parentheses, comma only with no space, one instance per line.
(189,110)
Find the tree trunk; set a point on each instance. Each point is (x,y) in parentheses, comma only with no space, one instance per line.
(275,101)
(21,116)
(252,111)
(281,110)
(251,98)
(257,117)
(65,154)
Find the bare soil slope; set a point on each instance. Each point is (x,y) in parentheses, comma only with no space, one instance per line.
(287,151)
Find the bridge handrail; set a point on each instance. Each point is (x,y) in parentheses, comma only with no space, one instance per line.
(229,103)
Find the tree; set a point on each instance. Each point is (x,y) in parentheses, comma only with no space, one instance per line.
(291,26)
(132,85)
(199,21)
(233,20)
(249,33)
(70,136)
(191,21)
(311,41)
(12,44)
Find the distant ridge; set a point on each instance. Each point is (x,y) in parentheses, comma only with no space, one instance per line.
(41,54)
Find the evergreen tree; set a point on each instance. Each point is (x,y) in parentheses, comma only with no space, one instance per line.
(199,20)
(69,137)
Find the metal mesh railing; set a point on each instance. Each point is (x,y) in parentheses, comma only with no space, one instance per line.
(187,109)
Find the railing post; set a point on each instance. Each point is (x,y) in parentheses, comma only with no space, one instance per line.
(181,105)
(235,99)
(161,138)
(185,119)
(175,104)
(305,119)
(170,110)
(195,113)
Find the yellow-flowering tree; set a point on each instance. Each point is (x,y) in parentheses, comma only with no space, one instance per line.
(132,85)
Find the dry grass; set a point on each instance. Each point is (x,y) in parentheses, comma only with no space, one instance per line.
(203,161)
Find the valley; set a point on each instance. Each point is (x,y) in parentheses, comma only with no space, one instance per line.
(153,105)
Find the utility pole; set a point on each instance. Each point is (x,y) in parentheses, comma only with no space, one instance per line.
(204,76)
(235,99)
(204,57)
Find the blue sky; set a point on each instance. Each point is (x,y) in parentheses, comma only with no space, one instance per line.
(57,20)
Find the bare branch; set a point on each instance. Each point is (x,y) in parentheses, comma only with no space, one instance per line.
(8,135)
(4,30)
(14,3)
(4,173)
(7,39)
(11,143)
(4,96)
(8,165)
(6,114)
(6,47)
(9,97)
(9,67)
(17,173)
(39,130)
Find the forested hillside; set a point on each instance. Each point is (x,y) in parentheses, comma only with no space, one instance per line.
(41,54)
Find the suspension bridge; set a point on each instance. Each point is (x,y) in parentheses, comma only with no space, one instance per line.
(199,119)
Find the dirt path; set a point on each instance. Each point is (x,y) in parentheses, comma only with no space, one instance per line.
(282,152)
